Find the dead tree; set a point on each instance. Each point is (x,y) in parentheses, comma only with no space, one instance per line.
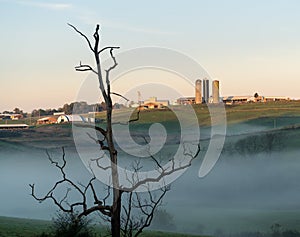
(110,204)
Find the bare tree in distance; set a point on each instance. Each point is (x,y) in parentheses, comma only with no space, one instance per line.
(117,203)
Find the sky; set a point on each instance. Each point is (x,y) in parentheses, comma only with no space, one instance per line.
(250,46)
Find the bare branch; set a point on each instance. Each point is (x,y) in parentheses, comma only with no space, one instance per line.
(117,94)
(98,163)
(104,209)
(65,197)
(107,195)
(153,206)
(97,38)
(151,156)
(85,67)
(108,47)
(137,116)
(83,35)
(128,214)
(163,172)
(109,69)
(129,121)
(98,141)
(143,205)
(101,130)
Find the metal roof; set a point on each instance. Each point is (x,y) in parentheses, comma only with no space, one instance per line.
(13,126)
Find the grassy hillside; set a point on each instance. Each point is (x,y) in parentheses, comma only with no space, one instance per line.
(244,112)
(271,115)
(234,113)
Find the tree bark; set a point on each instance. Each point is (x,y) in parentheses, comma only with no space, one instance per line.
(116,213)
(116,207)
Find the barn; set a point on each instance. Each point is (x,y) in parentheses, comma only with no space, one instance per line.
(47,120)
(154,103)
(70,118)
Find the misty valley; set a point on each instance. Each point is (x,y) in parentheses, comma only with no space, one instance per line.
(254,184)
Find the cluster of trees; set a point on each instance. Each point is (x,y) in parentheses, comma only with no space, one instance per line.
(82,107)
(265,142)
(15,111)
(79,108)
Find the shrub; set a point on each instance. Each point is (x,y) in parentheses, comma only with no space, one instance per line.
(69,225)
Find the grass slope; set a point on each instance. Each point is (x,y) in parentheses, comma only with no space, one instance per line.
(272,114)
(234,113)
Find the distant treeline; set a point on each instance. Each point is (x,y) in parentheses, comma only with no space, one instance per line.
(72,108)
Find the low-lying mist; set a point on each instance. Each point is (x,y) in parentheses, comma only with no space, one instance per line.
(254,184)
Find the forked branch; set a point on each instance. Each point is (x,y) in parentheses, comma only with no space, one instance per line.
(148,207)
(109,69)
(108,47)
(83,191)
(96,52)
(84,68)
(139,211)
(163,171)
(99,129)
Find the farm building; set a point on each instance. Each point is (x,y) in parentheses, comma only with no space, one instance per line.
(276,98)
(236,99)
(70,118)
(58,113)
(248,99)
(13,126)
(242,99)
(4,116)
(153,103)
(186,100)
(16,116)
(47,120)
(11,116)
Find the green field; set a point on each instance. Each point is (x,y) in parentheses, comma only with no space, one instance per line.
(17,227)
(234,113)
(244,112)
(270,115)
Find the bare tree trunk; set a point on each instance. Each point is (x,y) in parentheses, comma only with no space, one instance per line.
(111,212)
(116,213)
(116,207)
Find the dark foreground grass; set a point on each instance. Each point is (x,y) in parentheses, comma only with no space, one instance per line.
(18,227)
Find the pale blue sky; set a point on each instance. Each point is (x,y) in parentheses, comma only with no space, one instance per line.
(250,46)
